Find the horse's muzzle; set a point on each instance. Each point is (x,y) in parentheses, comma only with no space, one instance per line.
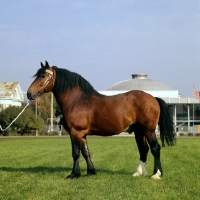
(31,96)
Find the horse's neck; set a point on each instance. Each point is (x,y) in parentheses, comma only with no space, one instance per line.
(67,96)
(58,99)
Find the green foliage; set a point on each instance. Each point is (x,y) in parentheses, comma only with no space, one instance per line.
(26,121)
(10,113)
(38,170)
(24,118)
(35,123)
(6,117)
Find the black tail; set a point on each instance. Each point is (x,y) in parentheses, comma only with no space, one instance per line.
(166,124)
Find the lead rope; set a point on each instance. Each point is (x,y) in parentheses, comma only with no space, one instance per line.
(15,118)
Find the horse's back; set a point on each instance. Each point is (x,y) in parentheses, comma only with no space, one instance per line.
(134,99)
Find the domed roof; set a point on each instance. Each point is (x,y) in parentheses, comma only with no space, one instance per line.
(139,82)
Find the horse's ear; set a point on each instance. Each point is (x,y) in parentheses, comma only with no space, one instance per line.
(47,64)
(42,65)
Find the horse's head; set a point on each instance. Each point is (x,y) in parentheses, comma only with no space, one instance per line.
(43,83)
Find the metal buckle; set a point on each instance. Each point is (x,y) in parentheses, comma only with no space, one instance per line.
(49,71)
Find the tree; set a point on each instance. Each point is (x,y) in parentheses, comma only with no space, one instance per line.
(35,124)
(5,117)
(8,115)
(26,120)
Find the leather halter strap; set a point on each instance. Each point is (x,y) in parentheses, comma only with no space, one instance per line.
(49,71)
(46,81)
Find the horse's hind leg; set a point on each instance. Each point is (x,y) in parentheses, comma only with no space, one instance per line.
(86,154)
(155,150)
(143,150)
(75,154)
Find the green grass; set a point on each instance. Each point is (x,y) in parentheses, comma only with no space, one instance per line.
(37,169)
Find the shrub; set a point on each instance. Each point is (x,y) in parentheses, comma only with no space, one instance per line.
(190,134)
(181,134)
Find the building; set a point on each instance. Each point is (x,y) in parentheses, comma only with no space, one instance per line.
(11,94)
(185,111)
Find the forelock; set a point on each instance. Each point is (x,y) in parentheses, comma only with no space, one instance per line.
(40,72)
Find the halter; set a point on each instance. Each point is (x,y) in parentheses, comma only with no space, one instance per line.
(46,81)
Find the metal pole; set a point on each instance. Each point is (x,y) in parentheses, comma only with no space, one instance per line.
(193,119)
(188,118)
(36,102)
(36,111)
(174,118)
(51,111)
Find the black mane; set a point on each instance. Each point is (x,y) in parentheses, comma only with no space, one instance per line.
(66,79)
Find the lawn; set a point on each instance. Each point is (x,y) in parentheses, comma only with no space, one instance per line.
(36,168)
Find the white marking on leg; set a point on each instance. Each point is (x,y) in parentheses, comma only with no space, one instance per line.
(157,175)
(141,170)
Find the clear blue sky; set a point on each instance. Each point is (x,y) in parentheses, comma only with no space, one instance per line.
(104,41)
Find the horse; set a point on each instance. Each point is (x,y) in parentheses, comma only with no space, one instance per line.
(87,112)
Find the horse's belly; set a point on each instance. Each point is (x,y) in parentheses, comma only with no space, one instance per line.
(104,133)
(106,129)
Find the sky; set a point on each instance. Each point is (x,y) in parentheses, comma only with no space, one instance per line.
(105,41)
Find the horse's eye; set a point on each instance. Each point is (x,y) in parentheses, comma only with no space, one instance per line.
(43,75)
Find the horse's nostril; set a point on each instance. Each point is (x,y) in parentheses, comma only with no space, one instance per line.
(28,94)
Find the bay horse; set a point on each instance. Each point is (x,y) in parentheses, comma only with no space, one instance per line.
(87,112)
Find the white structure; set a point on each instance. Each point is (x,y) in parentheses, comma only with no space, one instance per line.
(140,82)
(55,126)
(185,111)
(11,94)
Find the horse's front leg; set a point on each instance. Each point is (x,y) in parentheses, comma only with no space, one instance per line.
(75,154)
(86,154)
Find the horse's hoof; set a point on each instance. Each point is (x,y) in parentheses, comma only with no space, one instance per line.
(143,173)
(91,172)
(72,176)
(157,175)
(137,174)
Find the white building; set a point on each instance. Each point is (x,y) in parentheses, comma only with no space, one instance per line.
(11,94)
(185,111)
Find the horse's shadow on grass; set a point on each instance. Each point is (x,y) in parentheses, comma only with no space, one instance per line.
(48,170)
(37,169)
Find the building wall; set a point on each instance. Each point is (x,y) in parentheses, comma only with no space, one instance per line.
(156,93)
(13,96)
